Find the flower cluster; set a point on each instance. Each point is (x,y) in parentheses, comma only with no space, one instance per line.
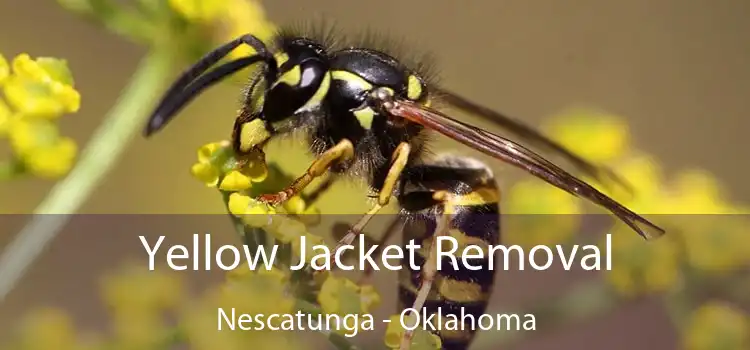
(703,238)
(240,181)
(717,325)
(702,235)
(37,92)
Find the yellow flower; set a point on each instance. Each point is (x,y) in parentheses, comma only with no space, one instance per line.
(41,148)
(421,340)
(256,293)
(715,243)
(244,17)
(341,296)
(4,69)
(6,117)
(716,325)
(205,173)
(215,161)
(295,205)
(640,267)
(239,204)
(698,192)
(540,214)
(210,150)
(235,181)
(253,213)
(644,175)
(288,230)
(199,10)
(311,240)
(138,329)
(54,161)
(41,88)
(135,289)
(48,329)
(596,136)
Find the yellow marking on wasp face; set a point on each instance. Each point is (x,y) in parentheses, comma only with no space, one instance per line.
(413,88)
(320,94)
(483,195)
(351,78)
(365,117)
(281,58)
(460,291)
(291,77)
(252,134)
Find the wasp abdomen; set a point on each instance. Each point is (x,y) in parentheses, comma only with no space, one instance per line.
(461,287)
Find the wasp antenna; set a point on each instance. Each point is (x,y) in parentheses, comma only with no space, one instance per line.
(186,87)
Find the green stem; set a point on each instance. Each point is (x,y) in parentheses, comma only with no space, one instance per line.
(122,123)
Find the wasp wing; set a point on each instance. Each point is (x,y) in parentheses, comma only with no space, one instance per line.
(526,133)
(519,156)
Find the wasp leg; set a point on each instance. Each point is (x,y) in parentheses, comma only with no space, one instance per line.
(400,158)
(342,151)
(429,269)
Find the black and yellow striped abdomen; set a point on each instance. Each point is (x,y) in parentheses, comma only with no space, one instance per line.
(456,290)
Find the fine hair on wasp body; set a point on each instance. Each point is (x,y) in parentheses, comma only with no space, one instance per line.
(367,114)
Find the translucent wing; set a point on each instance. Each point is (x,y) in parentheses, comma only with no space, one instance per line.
(530,135)
(519,156)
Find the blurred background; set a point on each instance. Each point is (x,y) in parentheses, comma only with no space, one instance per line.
(674,71)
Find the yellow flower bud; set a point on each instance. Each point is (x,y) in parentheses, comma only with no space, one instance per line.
(295,205)
(40,99)
(26,135)
(53,161)
(4,69)
(239,273)
(257,215)
(5,118)
(394,332)
(289,230)
(339,295)
(716,325)
(422,339)
(238,204)
(199,10)
(206,173)
(247,17)
(207,151)
(540,214)
(42,87)
(235,181)
(596,136)
(311,240)
(275,275)
(641,267)
(48,329)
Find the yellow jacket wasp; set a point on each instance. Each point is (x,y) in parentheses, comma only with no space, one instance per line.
(366,114)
